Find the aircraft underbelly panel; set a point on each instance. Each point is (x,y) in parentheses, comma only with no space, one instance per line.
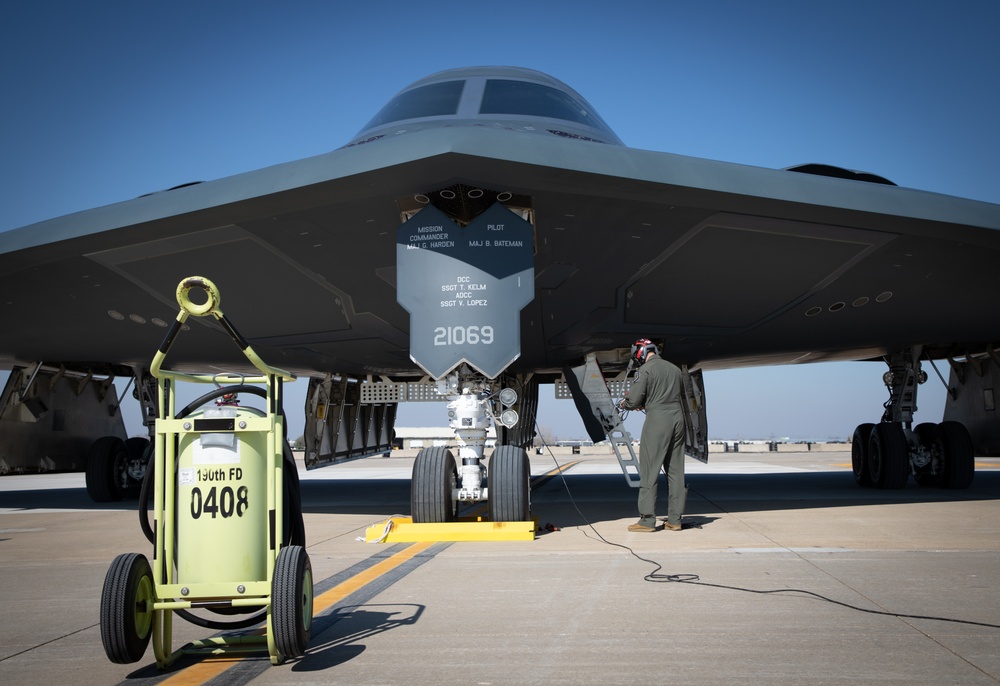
(73,309)
(728,277)
(277,287)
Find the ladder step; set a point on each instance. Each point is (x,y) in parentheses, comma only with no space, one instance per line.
(630,463)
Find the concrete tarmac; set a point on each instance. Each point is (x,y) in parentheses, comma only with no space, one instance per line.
(786,573)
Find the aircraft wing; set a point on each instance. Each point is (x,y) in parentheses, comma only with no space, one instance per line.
(727,264)
(411,252)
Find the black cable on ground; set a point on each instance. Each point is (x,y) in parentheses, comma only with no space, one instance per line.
(694,580)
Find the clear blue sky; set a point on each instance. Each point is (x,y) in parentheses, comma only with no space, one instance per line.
(104,101)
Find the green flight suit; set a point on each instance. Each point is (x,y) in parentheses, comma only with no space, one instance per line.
(658,389)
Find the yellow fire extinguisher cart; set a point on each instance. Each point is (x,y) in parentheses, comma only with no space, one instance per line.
(219,517)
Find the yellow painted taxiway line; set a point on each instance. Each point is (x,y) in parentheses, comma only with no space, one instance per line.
(211,667)
(345,588)
(201,672)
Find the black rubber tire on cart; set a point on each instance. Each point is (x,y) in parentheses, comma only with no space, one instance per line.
(127,608)
(292,601)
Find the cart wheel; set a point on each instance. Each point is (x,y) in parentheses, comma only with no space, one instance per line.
(292,601)
(127,608)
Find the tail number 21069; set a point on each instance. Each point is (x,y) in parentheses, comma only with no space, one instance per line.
(463,335)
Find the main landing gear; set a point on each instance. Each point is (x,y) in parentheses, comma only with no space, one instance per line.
(116,468)
(883,455)
(438,485)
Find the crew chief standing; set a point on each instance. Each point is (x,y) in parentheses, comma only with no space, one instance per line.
(658,389)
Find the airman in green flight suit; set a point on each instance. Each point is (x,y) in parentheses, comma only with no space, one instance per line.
(657,388)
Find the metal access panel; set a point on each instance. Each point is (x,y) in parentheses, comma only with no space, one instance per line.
(974,387)
(341,425)
(602,420)
(695,415)
(464,288)
(591,393)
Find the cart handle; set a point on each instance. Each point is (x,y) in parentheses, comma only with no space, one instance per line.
(209,307)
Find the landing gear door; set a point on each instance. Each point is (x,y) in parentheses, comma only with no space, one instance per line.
(695,416)
(465,288)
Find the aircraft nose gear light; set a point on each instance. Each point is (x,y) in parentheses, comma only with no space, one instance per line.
(227,534)
(508,397)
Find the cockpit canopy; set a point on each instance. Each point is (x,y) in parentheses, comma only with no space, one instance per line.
(505,97)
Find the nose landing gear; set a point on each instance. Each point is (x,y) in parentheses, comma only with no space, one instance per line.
(439,486)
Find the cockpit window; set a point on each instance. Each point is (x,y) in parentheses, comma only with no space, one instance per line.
(433,100)
(522,97)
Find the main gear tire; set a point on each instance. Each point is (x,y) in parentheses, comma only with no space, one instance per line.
(888,456)
(509,485)
(107,470)
(433,486)
(859,454)
(959,455)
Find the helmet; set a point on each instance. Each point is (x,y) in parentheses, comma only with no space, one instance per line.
(641,349)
